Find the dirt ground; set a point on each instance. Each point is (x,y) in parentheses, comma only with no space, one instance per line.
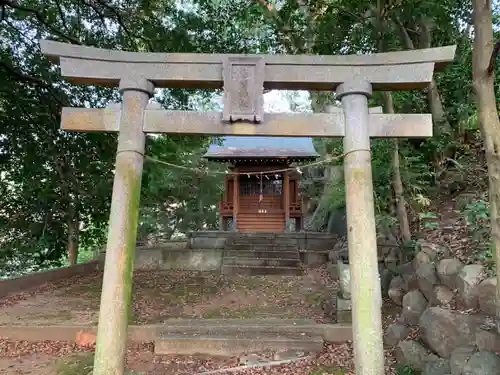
(160,295)
(157,296)
(53,358)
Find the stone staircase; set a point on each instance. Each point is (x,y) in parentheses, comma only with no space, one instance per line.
(231,337)
(261,254)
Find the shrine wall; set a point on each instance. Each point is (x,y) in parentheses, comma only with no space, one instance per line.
(204,251)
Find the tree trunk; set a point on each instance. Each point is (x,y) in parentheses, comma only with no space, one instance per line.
(327,182)
(441,124)
(488,119)
(73,241)
(397,183)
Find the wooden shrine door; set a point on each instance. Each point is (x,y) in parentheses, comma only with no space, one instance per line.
(261,204)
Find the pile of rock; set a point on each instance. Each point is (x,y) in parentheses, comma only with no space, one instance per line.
(339,270)
(387,260)
(448,305)
(456,342)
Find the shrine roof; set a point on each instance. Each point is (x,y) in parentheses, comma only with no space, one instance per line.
(239,147)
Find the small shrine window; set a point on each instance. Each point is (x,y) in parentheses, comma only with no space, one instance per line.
(270,186)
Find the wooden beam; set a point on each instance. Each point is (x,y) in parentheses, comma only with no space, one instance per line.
(327,125)
(286,197)
(386,71)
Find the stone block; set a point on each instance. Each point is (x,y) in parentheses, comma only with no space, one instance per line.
(344,310)
(344,273)
(207,241)
(314,258)
(230,345)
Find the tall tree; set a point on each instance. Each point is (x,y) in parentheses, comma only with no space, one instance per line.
(483,67)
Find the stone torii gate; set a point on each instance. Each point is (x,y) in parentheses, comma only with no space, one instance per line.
(243,78)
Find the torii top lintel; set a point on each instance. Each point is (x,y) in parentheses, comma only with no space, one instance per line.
(405,70)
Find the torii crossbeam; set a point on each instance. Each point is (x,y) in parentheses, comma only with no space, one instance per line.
(243,78)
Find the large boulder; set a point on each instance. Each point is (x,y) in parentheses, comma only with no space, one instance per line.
(448,270)
(414,304)
(412,354)
(482,363)
(488,339)
(391,259)
(395,333)
(441,295)
(459,358)
(385,280)
(439,366)
(486,295)
(445,330)
(432,250)
(427,279)
(422,258)
(396,290)
(467,281)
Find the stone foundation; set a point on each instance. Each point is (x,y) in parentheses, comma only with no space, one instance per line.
(204,251)
(304,241)
(164,257)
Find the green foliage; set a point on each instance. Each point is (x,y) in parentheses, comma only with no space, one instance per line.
(406,370)
(330,370)
(51,181)
(429,220)
(477,217)
(80,364)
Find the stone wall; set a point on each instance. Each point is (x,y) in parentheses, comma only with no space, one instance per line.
(304,241)
(19,284)
(447,319)
(166,257)
(446,324)
(204,251)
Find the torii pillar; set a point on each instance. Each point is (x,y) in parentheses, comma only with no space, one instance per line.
(122,232)
(366,290)
(394,71)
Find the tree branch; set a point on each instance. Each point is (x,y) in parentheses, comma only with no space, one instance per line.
(22,76)
(40,19)
(404,33)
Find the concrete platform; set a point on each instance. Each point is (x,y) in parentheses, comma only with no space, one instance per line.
(337,333)
(226,344)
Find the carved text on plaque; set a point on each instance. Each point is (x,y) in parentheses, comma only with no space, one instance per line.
(243,89)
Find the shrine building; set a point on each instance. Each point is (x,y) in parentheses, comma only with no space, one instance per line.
(259,196)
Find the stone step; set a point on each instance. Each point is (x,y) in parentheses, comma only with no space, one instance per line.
(249,242)
(261,240)
(267,326)
(251,261)
(231,344)
(262,254)
(264,240)
(223,322)
(269,247)
(261,270)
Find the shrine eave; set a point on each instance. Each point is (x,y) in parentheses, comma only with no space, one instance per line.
(259,160)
